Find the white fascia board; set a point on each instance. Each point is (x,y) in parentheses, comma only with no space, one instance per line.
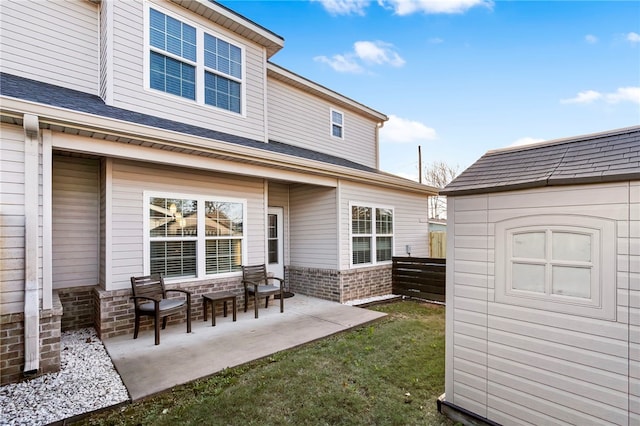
(170,139)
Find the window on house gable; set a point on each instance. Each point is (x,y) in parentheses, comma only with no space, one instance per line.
(337,124)
(182,56)
(194,236)
(371,234)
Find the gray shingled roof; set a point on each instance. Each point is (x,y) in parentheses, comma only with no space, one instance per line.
(604,157)
(48,94)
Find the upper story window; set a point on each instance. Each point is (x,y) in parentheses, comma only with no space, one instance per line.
(190,236)
(337,124)
(558,263)
(371,234)
(190,62)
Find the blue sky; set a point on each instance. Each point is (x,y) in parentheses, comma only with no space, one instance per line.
(461,77)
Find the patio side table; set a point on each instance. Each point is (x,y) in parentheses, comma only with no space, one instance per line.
(221,296)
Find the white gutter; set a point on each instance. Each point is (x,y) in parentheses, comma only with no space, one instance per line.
(31,197)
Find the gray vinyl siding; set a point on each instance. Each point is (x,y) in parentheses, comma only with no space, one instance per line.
(409,218)
(75,222)
(128,77)
(35,45)
(520,365)
(131,179)
(313,227)
(11,219)
(300,119)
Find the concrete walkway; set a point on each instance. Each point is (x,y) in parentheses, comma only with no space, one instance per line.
(147,369)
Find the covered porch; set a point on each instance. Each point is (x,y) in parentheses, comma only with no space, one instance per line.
(147,369)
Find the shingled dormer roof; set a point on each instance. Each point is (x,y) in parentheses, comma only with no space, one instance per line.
(596,158)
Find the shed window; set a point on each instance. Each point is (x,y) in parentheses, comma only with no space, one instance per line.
(559,263)
(553,261)
(194,236)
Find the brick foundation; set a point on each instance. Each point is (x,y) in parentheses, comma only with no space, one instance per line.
(114,312)
(77,305)
(12,343)
(340,286)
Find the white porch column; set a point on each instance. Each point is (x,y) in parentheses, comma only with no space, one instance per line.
(31,212)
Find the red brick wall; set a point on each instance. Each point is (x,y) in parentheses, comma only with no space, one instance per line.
(77,305)
(12,343)
(115,315)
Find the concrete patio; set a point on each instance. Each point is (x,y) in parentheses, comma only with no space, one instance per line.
(147,369)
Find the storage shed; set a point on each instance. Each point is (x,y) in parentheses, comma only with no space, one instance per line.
(543,284)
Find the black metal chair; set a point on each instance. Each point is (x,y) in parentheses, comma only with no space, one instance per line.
(150,299)
(256,283)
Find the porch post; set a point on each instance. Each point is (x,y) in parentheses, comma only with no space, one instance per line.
(31,211)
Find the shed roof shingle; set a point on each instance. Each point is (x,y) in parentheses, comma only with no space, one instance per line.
(604,157)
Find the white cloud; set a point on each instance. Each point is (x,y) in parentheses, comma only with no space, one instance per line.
(633,37)
(364,52)
(402,130)
(377,52)
(622,94)
(591,39)
(436,40)
(345,7)
(341,63)
(630,94)
(526,141)
(407,7)
(585,97)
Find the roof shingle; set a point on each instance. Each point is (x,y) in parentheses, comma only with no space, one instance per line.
(604,157)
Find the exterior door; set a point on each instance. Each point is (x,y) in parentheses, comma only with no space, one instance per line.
(275,242)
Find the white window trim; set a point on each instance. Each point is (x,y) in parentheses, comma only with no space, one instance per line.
(602,303)
(372,235)
(342,126)
(199,64)
(201,238)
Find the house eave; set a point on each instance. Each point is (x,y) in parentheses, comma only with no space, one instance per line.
(235,22)
(119,131)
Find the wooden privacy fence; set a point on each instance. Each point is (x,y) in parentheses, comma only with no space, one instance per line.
(421,277)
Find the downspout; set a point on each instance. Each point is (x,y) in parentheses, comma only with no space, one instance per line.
(31,196)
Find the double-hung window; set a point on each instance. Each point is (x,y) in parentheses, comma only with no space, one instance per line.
(191,236)
(337,124)
(371,234)
(188,61)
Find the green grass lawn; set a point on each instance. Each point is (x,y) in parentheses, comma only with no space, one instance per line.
(386,373)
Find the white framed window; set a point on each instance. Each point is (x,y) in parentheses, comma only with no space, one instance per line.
(558,263)
(371,234)
(190,236)
(192,62)
(337,124)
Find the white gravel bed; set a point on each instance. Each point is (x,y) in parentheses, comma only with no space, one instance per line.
(87,381)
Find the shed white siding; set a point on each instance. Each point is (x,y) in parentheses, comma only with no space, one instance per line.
(409,218)
(515,364)
(313,223)
(11,218)
(129,75)
(76,222)
(129,181)
(34,45)
(303,120)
